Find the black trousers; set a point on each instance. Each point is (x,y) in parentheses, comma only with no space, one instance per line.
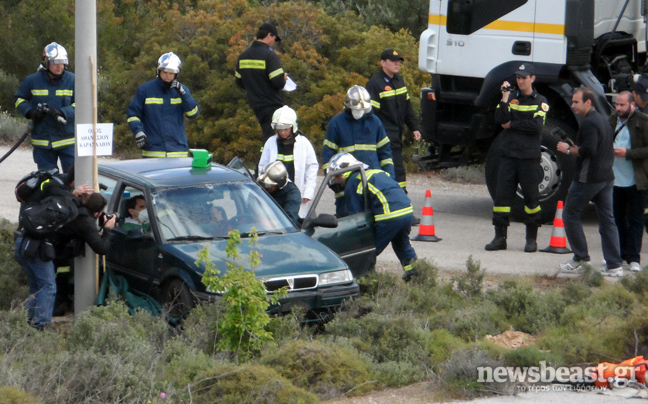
(527,173)
(264,116)
(396,144)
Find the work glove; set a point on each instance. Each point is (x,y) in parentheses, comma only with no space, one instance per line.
(35,114)
(140,140)
(57,115)
(176,84)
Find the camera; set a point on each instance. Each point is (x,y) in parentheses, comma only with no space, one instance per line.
(508,89)
(105,217)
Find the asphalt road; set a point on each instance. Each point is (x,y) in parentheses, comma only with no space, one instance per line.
(462,219)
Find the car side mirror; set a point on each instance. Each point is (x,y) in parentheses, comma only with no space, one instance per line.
(325,220)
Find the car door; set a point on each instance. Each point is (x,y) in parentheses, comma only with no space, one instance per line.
(133,253)
(353,238)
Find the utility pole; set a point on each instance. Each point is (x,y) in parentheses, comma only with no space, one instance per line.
(85,51)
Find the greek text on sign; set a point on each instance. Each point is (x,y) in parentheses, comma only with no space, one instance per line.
(85,139)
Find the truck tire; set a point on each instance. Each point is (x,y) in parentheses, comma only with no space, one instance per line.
(558,170)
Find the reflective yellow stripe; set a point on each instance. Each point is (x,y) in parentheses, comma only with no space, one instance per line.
(252,64)
(532,211)
(393,93)
(523,108)
(542,114)
(64,93)
(237,75)
(283,157)
(403,184)
(19,101)
(383,142)
(502,209)
(62,270)
(43,183)
(386,162)
(175,101)
(397,213)
(409,266)
(62,143)
(147,153)
(178,154)
(330,144)
(276,73)
(154,101)
(375,104)
(339,194)
(558,29)
(37,142)
(192,112)
(132,118)
(43,93)
(324,166)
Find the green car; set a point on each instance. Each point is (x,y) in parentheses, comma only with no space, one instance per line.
(192,206)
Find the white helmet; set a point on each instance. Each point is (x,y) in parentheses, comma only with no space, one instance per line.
(285,118)
(274,174)
(55,54)
(358,101)
(170,63)
(343,160)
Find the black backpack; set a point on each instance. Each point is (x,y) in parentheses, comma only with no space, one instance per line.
(29,190)
(43,218)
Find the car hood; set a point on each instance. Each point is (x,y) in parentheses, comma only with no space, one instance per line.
(281,255)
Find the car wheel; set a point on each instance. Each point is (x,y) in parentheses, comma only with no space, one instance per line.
(178,300)
(557,172)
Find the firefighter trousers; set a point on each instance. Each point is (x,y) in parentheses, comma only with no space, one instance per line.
(527,173)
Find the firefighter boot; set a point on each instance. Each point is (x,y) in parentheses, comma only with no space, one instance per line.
(531,235)
(499,242)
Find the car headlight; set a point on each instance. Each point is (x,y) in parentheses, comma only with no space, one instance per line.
(330,278)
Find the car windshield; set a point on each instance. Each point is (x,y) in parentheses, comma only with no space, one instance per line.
(212,210)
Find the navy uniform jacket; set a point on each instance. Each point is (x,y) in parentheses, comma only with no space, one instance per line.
(527,116)
(289,198)
(259,72)
(391,102)
(159,112)
(365,138)
(37,89)
(386,198)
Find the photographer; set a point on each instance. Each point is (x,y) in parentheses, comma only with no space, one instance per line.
(521,112)
(84,228)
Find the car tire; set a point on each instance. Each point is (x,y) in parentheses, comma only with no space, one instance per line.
(558,170)
(177,299)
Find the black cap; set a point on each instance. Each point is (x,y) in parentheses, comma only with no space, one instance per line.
(641,88)
(525,69)
(269,28)
(391,55)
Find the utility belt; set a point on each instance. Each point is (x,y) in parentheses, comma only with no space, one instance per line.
(48,144)
(32,248)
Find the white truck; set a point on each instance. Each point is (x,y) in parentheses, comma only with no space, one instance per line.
(471,46)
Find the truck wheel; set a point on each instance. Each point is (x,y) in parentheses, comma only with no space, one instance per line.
(557,168)
(178,300)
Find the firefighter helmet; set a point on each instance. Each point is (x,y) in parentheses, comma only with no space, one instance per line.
(358,101)
(342,160)
(285,118)
(170,63)
(274,174)
(54,54)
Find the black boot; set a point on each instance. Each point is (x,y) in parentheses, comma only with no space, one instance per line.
(531,236)
(499,242)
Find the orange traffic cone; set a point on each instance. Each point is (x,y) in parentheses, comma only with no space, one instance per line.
(426,228)
(558,242)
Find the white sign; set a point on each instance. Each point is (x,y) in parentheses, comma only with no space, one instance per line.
(290,85)
(85,139)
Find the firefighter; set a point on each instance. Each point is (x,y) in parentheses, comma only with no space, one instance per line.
(391,103)
(260,74)
(156,113)
(522,114)
(391,208)
(359,132)
(47,98)
(274,179)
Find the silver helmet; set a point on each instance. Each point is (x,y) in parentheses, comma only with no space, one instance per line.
(358,101)
(274,174)
(54,54)
(170,63)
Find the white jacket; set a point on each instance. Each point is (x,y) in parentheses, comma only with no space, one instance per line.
(306,167)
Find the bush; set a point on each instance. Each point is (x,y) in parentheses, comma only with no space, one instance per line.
(13,395)
(323,369)
(471,321)
(470,283)
(12,277)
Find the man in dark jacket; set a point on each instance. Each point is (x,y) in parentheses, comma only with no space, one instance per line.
(593,181)
(259,73)
(522,114)
(630,167)
(84,229)
(391,103)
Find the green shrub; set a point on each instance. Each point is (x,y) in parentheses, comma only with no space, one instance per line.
(461,372)
(13,395)
(530,356)
(472,174)
(230,384)
(326,370)
(12,277)
(471,321)
(637,282)
(470,283)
